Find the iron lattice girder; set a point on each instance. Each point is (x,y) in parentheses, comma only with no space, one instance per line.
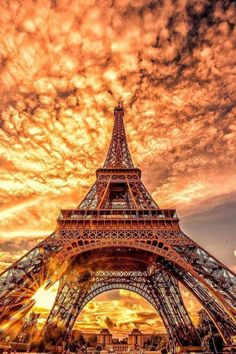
(21,280)
(118,153)
(100,195)
(118,214)
(222,320)
(145,236)
(118,184)
(212,270)
(150,286)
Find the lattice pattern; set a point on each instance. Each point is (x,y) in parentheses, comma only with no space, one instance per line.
(21,280)
(173,237)
(141,195)
(176,314)
(134,194)
(215,273)
(90,200)
(222,319)
(118,154)
(151,287)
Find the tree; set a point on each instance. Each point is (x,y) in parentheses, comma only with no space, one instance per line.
(92,341)
(82,341)
(53,334)
(205,325)
(209,333)
(163,344)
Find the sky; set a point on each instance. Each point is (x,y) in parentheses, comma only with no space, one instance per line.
(65,64)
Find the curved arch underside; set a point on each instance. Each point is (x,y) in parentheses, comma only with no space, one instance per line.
(179,250)
(148,275)
(161,291)
(226,293)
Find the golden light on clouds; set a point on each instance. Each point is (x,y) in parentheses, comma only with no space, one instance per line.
(64,65)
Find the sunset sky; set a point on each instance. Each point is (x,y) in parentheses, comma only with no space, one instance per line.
(64,65)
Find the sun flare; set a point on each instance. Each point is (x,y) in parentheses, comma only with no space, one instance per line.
(44,298)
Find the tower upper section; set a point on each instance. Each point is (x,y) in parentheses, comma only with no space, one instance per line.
(118,155)
(118,184)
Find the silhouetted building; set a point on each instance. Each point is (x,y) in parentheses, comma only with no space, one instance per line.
(104,338)
(136,339)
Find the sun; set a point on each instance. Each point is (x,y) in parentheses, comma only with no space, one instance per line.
(44,298)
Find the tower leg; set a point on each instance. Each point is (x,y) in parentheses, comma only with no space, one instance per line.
(166,289)
(70,294)
(223,322)
(215,273)
(20,281)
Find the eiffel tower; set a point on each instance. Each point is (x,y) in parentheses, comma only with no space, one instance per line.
(119,238)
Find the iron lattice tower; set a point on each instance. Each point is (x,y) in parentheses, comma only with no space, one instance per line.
(118,237)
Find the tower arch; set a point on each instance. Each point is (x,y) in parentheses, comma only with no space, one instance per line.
(172,311)
(158,248)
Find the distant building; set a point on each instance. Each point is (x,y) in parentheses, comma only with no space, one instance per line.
(104,338)
(136,339)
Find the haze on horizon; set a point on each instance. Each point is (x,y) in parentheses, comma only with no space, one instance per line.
(65,65)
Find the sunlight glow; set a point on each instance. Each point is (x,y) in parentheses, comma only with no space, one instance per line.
(44,298)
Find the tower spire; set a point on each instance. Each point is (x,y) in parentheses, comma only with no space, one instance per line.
(118,155)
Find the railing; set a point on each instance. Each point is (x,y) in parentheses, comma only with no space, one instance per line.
(118,214)
(114,170)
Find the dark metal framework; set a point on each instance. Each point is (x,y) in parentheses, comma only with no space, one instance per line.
(119,238)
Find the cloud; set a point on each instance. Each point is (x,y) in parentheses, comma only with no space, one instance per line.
(125,315)
(108,322)
(12,249)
